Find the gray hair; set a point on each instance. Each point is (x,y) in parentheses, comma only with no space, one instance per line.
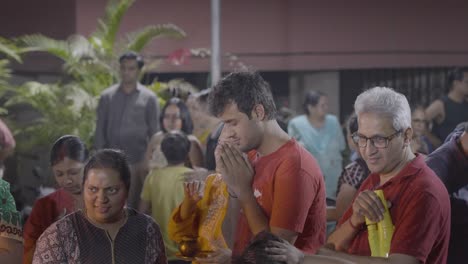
(386,102)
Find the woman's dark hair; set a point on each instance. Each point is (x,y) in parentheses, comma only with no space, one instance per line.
(175,146)
(68,146)
(109,159)
(311,98)
(245,89)
(255,253)
(352,123)
(455,74)
(131,55)
(187,123)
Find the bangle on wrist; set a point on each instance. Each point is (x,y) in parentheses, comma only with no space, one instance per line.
(359,227)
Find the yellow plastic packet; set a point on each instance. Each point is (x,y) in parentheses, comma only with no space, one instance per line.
(380,234)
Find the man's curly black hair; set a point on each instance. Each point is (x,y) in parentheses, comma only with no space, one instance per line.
(246,89)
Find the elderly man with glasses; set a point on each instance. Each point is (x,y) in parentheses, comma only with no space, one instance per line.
(419,204)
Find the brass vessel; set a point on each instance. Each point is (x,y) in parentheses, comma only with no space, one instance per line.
(188,247)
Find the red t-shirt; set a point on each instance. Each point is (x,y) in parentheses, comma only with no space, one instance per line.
(420,213)
(289,187)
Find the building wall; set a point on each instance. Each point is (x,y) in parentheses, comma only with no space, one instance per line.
(307,35)
(53,18)
(269,35)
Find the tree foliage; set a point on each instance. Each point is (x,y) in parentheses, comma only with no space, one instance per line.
(90,64)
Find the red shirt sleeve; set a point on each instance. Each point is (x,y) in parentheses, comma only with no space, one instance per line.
(293,194)
(415,233)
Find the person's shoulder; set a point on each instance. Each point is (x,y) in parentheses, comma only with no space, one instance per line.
(437,105)
(193,139)
(153,174)
(427,188)
(65,223)
(331,118)
(47,199)
(297,156)
(426,181)
(174,170)
(443,152)
(109,91)
(292,150)
(146,91)
(298,119)
(147,219)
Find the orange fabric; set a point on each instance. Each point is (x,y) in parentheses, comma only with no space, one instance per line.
(289,187)
(45,212)
(206,221)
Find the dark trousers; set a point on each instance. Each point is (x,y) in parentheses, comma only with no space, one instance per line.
(137,179)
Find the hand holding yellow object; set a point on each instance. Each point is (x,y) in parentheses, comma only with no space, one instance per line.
(380,233)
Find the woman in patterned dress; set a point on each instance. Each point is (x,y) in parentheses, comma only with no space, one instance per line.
(105,231)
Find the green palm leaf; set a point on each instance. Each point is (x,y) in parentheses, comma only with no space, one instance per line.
(37,42)
(138,40)
(5,72)
(105,35)
(7,48)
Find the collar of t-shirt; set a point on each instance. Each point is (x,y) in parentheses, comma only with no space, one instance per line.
(411,169)
(136,90)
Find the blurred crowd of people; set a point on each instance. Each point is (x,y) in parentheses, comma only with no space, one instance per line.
(223,171)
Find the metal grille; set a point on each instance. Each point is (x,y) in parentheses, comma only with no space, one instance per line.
(420,85)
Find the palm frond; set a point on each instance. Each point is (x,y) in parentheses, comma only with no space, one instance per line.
(9,49)
(104,37)
(63,109)
(38,42)
(138,40)
(5,72)
(80,47)
(152,65)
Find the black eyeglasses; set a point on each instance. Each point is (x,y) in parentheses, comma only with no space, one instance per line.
(376,141)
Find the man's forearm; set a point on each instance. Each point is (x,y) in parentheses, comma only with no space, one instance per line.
(325,260)
(342,236)
(392,259)
(256,219)
(352,258)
